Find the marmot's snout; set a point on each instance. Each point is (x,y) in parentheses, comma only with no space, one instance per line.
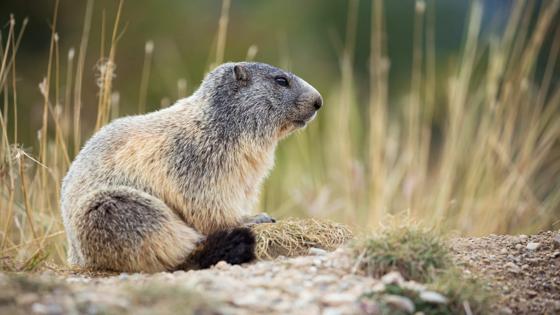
(318,103)
(308,104)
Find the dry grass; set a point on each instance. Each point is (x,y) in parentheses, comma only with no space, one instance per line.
(294,237)
(474,148)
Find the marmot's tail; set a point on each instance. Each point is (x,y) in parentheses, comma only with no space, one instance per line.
(235,246)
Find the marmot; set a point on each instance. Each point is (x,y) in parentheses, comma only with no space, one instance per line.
(176,187)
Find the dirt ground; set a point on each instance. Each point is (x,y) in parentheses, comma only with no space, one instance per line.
(523,271)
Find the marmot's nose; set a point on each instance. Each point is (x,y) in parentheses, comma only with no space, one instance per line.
(318,103)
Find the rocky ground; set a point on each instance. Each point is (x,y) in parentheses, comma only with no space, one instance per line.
(522,270)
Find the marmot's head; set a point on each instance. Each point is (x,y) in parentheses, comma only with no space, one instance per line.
(258,98)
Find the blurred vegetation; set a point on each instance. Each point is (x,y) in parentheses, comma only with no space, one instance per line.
(448,110)
(303,37)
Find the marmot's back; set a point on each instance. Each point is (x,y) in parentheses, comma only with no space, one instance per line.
(129,152)
(96,164)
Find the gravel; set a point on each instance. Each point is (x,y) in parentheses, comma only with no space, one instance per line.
(525,276)
(526,279)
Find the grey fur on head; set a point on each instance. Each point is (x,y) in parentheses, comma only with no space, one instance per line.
(147,190)
(253,102)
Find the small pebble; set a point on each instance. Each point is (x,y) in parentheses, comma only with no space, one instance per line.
(413,286)
(46,308)
(123,276)
(554,305)
(378,287)
(433,297)
(533,246)
(325,279)
(557,240)
(505,311)
(222,265)
(247,300)
(399,302)
(27,298)
(369,307)
(317,251)
(77,279)
(393,277)
(512,267)
(332,311)
(335,299)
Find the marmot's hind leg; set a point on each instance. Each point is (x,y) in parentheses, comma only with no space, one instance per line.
(124,229)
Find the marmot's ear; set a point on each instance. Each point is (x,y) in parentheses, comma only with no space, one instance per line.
(240,73)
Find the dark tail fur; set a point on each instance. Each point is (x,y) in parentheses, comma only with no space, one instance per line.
(235,246)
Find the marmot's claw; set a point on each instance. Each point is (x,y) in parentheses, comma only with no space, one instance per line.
(259,218)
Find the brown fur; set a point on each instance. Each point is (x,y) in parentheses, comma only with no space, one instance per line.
(132,202)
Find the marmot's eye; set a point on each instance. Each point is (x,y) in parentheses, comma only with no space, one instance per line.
(283,81)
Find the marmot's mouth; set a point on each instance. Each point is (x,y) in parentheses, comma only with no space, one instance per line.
(302,122)
(299,123)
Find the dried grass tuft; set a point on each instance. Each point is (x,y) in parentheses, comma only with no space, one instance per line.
(293,237)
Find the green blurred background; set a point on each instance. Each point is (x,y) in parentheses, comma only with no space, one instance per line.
(303,36)
(308,37)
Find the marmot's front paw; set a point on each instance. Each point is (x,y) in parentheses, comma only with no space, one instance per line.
(258,219)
